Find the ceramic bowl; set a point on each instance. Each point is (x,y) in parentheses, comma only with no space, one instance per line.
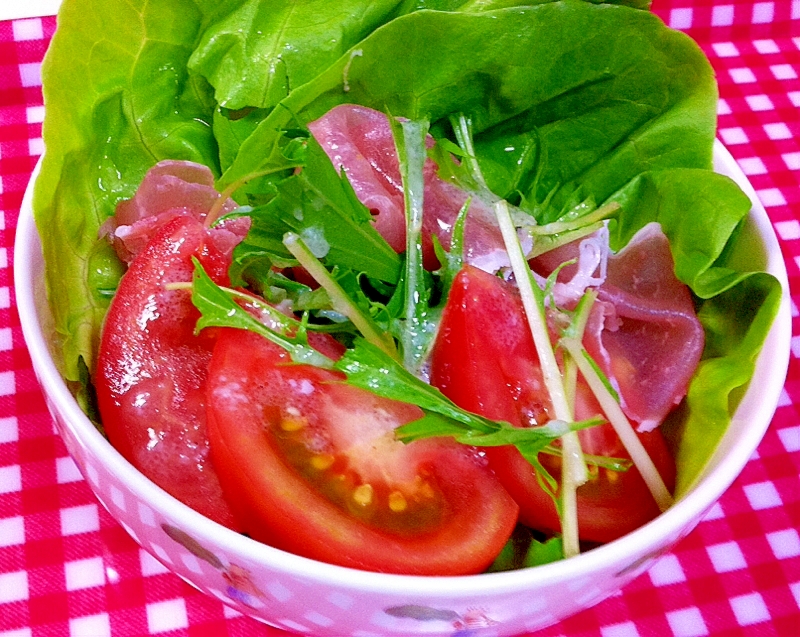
(306,596)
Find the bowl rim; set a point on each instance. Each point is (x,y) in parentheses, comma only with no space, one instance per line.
(646,540)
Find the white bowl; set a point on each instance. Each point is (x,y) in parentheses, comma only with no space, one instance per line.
(302,595)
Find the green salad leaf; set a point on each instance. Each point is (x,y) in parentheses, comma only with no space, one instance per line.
(735,322)
(718,208)
(319,205)
(257,53)
(609,91)
(475,6)
(524,550)
(119,98)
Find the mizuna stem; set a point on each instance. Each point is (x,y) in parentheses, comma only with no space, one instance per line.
(573,472)
(219,203)
(576,329)
(464,137)
(621,425)
(409,139)
(339,299)
(559,227)
(533,302)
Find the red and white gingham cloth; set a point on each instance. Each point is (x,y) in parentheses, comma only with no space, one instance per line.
(67,569)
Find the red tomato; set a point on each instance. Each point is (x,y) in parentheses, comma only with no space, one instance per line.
(311,466)
(151,369)
(484,360)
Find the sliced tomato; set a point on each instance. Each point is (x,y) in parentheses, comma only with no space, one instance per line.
(484,360)
(311,466)
(152,368)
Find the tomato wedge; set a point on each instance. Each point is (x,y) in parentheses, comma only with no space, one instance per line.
(151,369)
(485,361)
(311,466)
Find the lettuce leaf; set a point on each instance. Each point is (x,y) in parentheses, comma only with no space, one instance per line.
(256,54)
(736,323)
(118,99)
(718,208)
(610,91)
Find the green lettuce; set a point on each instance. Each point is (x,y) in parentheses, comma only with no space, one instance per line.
(118,99)
(258,52)
(608,91)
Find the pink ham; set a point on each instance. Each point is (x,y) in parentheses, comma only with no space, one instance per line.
(171,188)
(359,140)
(643,330)
(644,333)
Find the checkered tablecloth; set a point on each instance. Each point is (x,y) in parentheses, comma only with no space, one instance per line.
(67,569)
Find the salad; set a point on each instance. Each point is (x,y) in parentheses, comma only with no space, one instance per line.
(405,286)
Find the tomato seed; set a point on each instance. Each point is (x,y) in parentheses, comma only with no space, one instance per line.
(397,502)
(322,461)
(363,495)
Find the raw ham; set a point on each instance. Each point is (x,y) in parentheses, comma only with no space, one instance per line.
(171,188)
(359,141)
(643,331)
(652,340)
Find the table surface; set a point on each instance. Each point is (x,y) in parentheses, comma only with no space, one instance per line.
(67,568)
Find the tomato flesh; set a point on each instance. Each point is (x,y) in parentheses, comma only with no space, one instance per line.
(151,369)
(485,360)
(311,466)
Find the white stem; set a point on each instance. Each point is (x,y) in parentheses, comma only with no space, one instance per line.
(573,472)
(465,139)
(641,459)
(339,299)
(572,465)
(535,314)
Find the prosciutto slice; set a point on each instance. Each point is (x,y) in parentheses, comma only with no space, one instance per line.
(170,189)
(359,141)
(644,332)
